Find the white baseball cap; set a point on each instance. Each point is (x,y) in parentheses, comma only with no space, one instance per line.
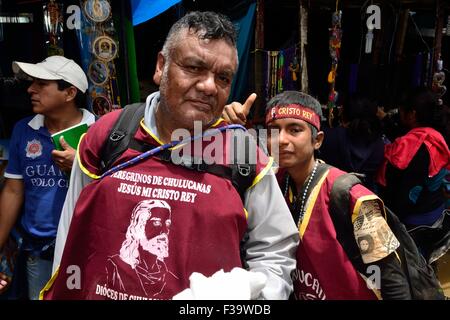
(54,68)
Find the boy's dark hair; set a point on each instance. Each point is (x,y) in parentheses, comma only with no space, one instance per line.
(80,98)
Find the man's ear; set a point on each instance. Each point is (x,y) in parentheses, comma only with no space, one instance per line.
(319,140)
(71,93)
(159,69)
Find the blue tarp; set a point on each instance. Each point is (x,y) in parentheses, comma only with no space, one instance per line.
(245,27)
(144,10)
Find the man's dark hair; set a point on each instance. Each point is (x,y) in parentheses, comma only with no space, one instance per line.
(80,98)
(424,102)
(297,97)
(206,25)
(361,115)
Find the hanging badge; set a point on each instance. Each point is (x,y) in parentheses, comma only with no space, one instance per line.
(98,72)
(104,48)
(101,105)
(97,10)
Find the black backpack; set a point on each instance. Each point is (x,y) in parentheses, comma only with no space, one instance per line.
(241,172)
(421,278)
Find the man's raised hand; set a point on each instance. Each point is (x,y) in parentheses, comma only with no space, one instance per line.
(236,112)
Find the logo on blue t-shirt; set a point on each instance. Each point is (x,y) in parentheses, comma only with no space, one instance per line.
(33,149)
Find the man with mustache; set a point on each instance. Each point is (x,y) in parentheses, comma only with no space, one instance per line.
(212,227)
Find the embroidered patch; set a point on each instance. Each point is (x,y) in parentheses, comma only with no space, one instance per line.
(373,235)
(33,149)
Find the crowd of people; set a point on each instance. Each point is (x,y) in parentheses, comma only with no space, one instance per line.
(143,227)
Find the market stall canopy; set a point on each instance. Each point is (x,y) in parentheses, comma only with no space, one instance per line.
(144,10)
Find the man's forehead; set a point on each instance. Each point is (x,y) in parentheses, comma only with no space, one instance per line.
(192,41)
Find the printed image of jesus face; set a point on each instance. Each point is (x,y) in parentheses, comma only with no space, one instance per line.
(145,250)
(156,240)
(147,233)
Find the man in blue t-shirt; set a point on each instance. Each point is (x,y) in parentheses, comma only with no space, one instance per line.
(36,176)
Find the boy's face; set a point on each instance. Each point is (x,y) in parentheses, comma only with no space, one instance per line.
(296,147)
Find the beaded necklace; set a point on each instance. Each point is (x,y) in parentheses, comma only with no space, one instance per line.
(305,192)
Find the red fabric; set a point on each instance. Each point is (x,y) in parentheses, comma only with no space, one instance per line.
(324,271)
(403,149)
(296,111)
(201,238)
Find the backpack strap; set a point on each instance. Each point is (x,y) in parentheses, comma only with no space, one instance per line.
(121,136)
(243,168)
(296,205)
(339,213)
(241,172)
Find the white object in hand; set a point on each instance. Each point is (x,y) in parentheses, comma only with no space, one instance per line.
(239,284)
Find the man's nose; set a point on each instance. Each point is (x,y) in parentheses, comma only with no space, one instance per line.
(32,88)
(207,84)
